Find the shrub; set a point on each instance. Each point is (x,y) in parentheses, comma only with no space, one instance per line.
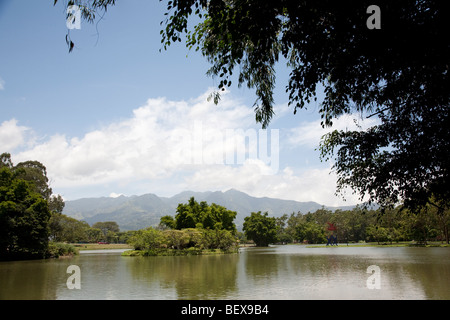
(153,241)
(57,249)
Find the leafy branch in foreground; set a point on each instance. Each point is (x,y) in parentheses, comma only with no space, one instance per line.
(398,74)
(88,10)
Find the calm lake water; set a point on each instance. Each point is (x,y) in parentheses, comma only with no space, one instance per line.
(278,272)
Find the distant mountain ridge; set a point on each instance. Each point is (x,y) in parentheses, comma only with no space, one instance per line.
(137,212)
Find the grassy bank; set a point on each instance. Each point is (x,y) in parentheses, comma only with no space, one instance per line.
(384,245)
(175,252)
(96,246)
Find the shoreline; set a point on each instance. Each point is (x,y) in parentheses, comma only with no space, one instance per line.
(96,246)
(382,245)
(175,252)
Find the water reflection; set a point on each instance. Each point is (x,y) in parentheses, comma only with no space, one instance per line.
(193,277)
(293,272)
(282,272)
(28,280)
(303,275)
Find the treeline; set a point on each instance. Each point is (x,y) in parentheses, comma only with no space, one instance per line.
(32,224)
(360,224)
(200,225)
(66,229)
(203,226)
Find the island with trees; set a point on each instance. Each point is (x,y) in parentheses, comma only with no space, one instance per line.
(197,228)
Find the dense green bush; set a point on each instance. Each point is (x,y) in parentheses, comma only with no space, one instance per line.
(57,249)
(152,240)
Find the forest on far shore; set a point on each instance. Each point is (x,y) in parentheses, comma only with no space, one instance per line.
(356,225)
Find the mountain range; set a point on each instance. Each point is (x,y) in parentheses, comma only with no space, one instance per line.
(137,212)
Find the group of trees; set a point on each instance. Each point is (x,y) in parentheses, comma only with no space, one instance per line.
(195,225)
(201,215)
(359,224)
(151,240)
(31,218)
(66,229)
(26,207)
(260,228)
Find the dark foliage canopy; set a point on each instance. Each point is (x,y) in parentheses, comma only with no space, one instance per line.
(24,212)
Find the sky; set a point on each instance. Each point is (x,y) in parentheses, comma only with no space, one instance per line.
(118,116)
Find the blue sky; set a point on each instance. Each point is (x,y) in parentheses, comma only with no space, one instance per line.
(117,116)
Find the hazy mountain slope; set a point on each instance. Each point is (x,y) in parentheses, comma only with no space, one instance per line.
(137,212)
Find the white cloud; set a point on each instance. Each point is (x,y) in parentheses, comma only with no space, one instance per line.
(254,178)
(310,133)
(161,137)
(2,84)
(12,135)
(168,146)
(115,195)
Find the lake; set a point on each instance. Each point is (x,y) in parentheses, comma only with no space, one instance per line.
(277,272)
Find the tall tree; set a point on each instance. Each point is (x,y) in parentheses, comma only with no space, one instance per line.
(67,229)
(24,217)
(24,208)
(194,214)
(37,173)
(107,226)
(260,228)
